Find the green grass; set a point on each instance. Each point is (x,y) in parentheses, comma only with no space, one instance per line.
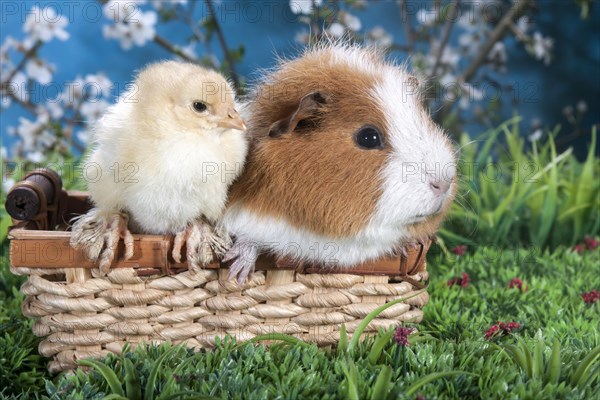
(512,193)
(447,358)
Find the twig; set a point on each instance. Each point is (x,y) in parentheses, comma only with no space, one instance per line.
(515,12)
(406,25)
(221,37)
(453,8)
(25,104)
(164,43)
(21,64)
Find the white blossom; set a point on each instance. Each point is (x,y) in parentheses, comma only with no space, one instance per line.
(305,7)
(39,71)
(352,22)
(541,47)
(35,156)
(17,86)
(469,95)
(426,17)
(136,30)
(160,4)
(73,91)
(582,107)
(99,82)
(7,182)
(93,110)
(29,130)
(5,100)
(9,43)
(379,37)
(536,135)
(524,24)
(45,24)
(190,49)
(302,36)
(84,136)
(568,111)
(54,109)
(498,53)
(121,32)
(142,29)
(336,30)
(121,10)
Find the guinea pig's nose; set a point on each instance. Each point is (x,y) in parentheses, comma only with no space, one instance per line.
(439,186)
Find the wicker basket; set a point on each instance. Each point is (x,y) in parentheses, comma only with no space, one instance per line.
(150,298)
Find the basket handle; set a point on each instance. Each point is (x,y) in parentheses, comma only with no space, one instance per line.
(35,198)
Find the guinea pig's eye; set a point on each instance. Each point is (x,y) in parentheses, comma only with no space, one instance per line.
(199,106)
(368,137)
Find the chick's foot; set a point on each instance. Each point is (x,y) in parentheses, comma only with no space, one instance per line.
(202,242)
(98,233)
(244,254)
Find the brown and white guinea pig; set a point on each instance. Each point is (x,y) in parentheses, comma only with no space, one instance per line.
(345,164)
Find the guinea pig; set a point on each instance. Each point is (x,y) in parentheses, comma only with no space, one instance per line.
(345,164)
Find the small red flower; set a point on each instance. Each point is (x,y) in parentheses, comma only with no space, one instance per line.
(517,283)
(591,243)
(462,281)
(578,248)
(401,335)
(591,297)
(460,250)
(501,329)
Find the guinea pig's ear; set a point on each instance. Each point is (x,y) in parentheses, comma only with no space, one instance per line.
(308,108)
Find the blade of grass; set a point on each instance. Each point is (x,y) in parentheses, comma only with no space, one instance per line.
(553,370)
(150,385)
(580,372)
(275,336)
(431,377)
(382,384)
(108,374)
(373,314)
(378,346)
(133,386)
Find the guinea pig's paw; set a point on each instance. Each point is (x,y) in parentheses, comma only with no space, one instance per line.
(244,255)
(240,269)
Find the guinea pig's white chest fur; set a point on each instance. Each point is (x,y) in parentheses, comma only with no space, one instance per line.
(284,239)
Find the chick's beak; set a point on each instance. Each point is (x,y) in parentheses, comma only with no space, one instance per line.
(233,120)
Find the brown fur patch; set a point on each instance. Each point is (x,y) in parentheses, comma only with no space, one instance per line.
(315,178)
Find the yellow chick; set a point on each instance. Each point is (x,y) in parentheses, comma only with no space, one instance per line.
(164,157)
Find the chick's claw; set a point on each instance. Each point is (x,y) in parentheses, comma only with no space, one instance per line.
(202,242)
(98,234)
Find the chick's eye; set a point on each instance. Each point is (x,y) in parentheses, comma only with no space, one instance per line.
(368,137)
(199,106)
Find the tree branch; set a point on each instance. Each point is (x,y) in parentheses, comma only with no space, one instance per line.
(221,37)
(28,54)
(517,10)
(164,43)
(452,13)
(410,41)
